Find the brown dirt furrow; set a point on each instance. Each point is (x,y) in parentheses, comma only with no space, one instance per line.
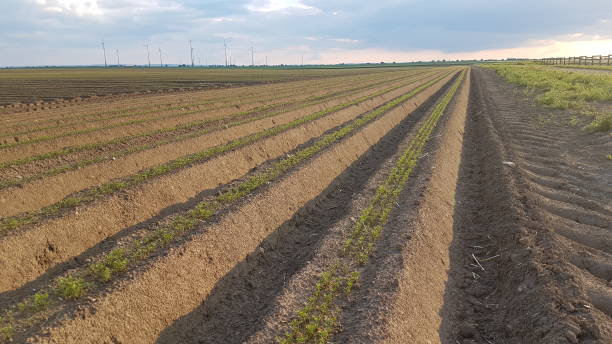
(540,287)
(94,105)
(233,105)
(13,173)
(262,324)
(177,283)
(22,151)
(143,102)
(99,106)
(412,312)
(28,253)
(238,100)
(47,191)
(78,117)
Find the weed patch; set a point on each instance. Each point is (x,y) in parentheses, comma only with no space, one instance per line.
(562,90)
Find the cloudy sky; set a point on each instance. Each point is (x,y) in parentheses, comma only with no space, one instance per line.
(70,32)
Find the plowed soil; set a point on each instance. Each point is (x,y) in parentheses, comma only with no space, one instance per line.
(501,234)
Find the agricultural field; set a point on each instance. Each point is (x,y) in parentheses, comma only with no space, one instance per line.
(29,89)
(374,205)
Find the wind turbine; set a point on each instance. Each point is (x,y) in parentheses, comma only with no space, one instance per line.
(104,50)
(191,53)
(225,46)
(148,55)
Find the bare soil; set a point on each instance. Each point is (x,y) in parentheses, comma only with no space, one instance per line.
(169,283)
(75,118)
(108,133)
(537,289)
(111,151)
(278,279)
(92,223)
(524,256)
(502,234)
(50,190)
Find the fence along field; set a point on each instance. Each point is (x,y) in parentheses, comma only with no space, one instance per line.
(596,60)
(251,136)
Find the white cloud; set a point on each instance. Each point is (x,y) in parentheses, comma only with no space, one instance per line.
(344,40)
(232,35)
(78,7)
(105,8)
(283,6)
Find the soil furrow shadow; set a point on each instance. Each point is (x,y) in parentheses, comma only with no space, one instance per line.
(364,314)
(111,242)
(239,303)
(68,311)
(529,293)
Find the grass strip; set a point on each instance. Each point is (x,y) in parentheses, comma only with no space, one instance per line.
(562,90)
(118,261)
(591,67)
(317,320)
(112,187)
(147,110)
(122,140)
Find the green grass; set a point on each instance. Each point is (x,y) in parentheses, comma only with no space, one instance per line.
(119,260)
(602,67)
(562,90)
(317,320)
(112,187)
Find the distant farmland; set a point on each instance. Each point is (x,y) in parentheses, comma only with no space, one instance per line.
(398,205)
(31,85)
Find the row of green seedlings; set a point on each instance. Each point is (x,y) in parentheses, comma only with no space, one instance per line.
(119,260)
(121,113)
(165,131)
(317,320)
(127,123)
(137,111)
(121,140)
(112,187)
(226,122)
